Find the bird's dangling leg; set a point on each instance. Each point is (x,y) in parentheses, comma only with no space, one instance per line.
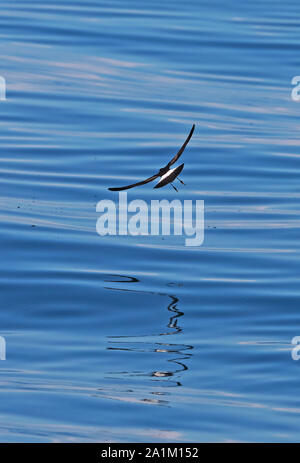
(174,187)
(181,181)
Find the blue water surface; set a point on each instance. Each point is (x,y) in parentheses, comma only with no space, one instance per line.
(136,338)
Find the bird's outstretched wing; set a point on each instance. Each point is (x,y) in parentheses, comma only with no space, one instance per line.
(174,159)
(135,184)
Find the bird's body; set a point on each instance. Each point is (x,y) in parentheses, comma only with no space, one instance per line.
(166,173)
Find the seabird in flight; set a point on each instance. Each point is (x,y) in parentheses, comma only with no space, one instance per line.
(167,175)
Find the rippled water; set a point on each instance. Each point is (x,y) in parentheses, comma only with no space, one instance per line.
(142,338)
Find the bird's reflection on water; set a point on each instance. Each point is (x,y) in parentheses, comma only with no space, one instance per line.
(177,353)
